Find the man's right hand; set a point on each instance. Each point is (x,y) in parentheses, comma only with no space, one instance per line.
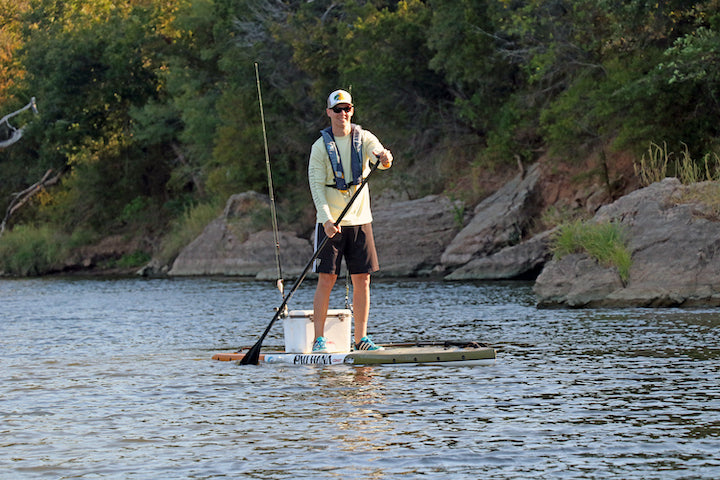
(330,228)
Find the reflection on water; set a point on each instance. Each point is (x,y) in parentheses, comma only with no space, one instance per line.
(113,379)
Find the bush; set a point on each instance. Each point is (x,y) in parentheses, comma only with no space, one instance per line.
(133,260)
(27,251)
(605,242)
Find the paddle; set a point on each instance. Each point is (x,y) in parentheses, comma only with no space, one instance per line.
(252,357)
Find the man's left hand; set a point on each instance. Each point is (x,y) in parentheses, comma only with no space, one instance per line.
(386,158)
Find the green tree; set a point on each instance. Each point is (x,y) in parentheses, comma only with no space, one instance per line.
(467,47)
(88,66)
(10,41)
(591,67)
(396,88)
(150,106)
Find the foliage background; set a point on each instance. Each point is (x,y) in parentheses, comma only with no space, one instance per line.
(149,107)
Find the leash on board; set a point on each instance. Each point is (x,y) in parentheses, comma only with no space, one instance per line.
(273,212)
(348,305)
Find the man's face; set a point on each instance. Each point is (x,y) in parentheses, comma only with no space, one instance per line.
(340,113)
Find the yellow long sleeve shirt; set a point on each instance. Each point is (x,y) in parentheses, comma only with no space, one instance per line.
(329,201)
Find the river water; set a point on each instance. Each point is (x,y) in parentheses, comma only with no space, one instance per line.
(113,379)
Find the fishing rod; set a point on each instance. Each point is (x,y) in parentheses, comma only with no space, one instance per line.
(273,211)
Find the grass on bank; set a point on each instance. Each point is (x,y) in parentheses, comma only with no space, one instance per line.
(658,164)
(28,250)
(703,193)
(185,229)
(605,242)
(702,179)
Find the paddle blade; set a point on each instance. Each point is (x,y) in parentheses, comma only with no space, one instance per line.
(252,357)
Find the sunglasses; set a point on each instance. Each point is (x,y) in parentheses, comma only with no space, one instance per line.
(342,109)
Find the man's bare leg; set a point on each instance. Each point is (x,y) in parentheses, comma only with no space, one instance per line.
(321,301)
(361,303)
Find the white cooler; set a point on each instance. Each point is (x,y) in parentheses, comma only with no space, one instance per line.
(300,331)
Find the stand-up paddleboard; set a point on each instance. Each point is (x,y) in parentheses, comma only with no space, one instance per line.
(441,353)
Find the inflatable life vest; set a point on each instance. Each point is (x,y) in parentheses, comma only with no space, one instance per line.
(334,156)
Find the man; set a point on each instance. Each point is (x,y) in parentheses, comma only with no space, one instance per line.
(339,160)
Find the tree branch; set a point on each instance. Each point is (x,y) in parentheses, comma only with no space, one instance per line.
(21,198)
(15,134)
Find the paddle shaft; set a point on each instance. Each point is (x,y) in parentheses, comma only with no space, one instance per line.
(253,355)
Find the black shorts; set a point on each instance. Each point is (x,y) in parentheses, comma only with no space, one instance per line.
(356,244)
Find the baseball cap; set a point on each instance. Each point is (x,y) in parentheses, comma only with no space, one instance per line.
(338,96)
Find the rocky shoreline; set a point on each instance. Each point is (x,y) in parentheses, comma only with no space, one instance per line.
(673,232)
(672,241)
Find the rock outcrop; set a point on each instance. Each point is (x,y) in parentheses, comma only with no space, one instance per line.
(673,234)
(674,241)
(233,244)
(499,221)
(411,235)
(523,261)
(419,237)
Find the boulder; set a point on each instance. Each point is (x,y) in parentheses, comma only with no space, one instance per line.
(518,262)
(673,235)
(411,235)
(575,281)
(499,221)
(235,244)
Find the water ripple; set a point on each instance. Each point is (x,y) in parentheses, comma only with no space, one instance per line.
(112,379)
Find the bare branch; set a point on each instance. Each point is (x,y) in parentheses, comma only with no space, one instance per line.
(21,198)
(15,134)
